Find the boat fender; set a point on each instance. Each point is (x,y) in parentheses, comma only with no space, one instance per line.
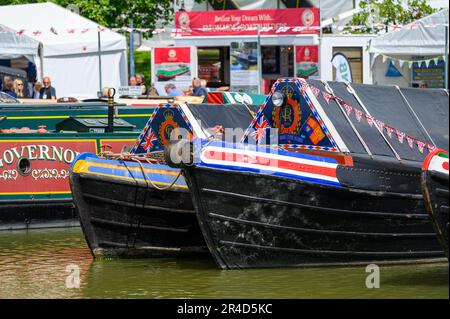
(179,154)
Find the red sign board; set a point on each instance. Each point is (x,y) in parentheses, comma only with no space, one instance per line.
(173,55)
(307,53)
(306,61)
(246,22)
(39,166)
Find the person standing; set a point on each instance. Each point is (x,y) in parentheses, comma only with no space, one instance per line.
(19,89)
(199,90)
(8,86)
(140,81)
(132,81)
(48,92)
(37,90)
(172,91)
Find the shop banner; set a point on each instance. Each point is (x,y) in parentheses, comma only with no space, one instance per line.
(431,73)
(342,66)
(306,61)
(246,22)
(172,65)
(244,74)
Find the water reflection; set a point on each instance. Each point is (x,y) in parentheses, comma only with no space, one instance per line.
(32,264)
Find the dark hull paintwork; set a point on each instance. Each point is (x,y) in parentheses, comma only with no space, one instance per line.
(254,220)
(39,213)
(122,219)
(435,193)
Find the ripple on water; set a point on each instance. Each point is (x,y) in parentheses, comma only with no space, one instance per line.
(33,265)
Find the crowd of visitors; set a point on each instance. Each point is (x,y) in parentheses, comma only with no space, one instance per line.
(17,89)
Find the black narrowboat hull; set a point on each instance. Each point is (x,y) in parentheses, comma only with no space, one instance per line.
(436,197)
(254,220)
(122,218)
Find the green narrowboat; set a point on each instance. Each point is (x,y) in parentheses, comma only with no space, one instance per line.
(38,142)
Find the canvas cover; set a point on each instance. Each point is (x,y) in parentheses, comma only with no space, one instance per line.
(376,120)
(213,119)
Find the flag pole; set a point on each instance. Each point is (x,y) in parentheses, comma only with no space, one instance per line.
(99,62)
(446,56)
(259,63)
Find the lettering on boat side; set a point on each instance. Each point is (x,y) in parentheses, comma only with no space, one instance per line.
(39,166)
(37,152)
(225,308)
(373,279)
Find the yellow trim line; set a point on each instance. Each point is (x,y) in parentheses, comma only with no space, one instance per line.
(66,117)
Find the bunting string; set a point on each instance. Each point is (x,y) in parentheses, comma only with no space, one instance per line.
(176,31)
(401,62)
(372,120)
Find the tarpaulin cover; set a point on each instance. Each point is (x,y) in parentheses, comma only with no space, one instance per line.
(431,107)
(374,141)
(387,104)
(227,116)
(335,113)
(169,118)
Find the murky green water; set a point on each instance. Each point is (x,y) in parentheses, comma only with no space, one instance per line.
(33,265)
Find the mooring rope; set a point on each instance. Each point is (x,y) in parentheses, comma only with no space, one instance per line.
(131,157)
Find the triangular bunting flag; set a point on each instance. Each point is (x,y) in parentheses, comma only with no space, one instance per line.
(384,58)
(410,141)
(327,97)
(431,148)
(420,146)
(436,61)
(400,135)
(410,63)
(380,124)
(389,130)
(358,115)
(348,109)
(401,62)
(315,91)
(427,63)
(369,119)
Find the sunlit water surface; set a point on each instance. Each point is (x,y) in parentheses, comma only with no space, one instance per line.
(34,264)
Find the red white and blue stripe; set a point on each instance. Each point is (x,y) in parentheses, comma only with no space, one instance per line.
(267,161)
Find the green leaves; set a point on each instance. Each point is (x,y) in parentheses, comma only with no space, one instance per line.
(378,14)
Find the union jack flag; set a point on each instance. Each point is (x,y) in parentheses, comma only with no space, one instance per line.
(149,138)
(260,128)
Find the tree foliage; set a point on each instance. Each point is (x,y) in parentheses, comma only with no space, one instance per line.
(375,15)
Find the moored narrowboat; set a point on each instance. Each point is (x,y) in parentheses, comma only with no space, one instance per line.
(133,204)
(38,142)
(340,186)
(435,193)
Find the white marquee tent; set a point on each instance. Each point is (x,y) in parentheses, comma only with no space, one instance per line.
(424,38)
(69,42)
(13,46)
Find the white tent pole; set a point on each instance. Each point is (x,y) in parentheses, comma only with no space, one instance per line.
(446,56)
(259,63)
(99,62)
(40,76)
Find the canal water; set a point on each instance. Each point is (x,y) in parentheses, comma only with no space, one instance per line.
(38,263)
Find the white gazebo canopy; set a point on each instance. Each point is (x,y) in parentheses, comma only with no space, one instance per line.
(70,54)
(424,37)
(13,46)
